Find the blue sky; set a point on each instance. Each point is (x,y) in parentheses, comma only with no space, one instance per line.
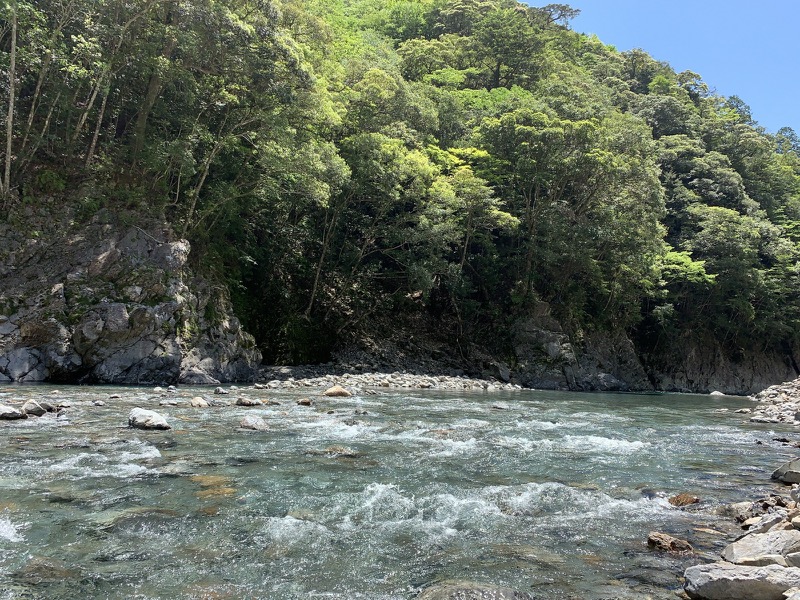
(740,47)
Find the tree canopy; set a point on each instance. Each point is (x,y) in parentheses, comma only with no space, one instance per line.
(335,160)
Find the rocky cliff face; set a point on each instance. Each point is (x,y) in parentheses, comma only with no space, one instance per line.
(103,303)
(549,358)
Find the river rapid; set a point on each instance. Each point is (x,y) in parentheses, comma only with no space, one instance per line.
(373,497)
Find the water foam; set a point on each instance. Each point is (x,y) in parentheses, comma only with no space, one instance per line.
(8,531)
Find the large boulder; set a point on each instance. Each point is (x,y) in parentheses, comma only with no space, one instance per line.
(140,418)
(763,548)
(725,581)
(788,472)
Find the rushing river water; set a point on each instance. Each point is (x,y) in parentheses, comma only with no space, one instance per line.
(373,497)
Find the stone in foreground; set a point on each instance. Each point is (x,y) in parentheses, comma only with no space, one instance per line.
(754,548)
(458,590)
(724,581)
(337,391)
(147,419)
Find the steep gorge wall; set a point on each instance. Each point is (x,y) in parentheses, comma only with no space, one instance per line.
(110,303)
(548,357)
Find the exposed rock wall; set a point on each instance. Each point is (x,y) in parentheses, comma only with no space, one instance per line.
(547,357)
(103,303)
(703,366)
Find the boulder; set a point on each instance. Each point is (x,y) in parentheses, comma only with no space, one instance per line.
(753,547)
(463,590)
(147,419)
(666,543)
(683,500)
(244,401)
(766,522)
(739,511)
(198,402)
(9,412)
(304,402)
(337,391)
(254,423)
(788,472)
(724,581)
(32,407)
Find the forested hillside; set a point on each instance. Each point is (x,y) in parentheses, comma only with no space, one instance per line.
(342,163)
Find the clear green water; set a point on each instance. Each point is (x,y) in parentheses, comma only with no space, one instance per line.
(554,495)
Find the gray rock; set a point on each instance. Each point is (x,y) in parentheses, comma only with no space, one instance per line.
(740,511)
(196,376)
(788,472)
(254,423)
(725,581)
(458,590)
(792,594)
(752,546)
(32,407)
(198,402)
(245,401)
(147,419)
(768,521)
(9,413)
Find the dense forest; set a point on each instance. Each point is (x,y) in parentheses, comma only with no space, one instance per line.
(337,161)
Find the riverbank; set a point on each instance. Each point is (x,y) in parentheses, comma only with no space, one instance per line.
(325,376)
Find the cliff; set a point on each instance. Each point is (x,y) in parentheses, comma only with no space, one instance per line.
(108,302)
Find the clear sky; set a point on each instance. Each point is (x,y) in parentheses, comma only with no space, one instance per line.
(747,48)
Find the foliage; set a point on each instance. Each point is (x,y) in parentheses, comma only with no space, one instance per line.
(469,158)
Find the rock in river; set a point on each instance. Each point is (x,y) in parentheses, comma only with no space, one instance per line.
(254,423)
(337,391)
(667,543)
(9,412)
(147,419)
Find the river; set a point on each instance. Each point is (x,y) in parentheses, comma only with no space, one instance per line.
(370,497)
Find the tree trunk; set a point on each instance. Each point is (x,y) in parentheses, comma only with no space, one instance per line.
(153,89)
(12,75)
(90,154)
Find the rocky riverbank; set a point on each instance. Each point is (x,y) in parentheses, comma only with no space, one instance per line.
(778,404)
(325,376)
(764,563)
